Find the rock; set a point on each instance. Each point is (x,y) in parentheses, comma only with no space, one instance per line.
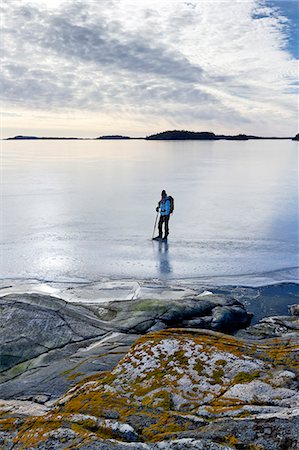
(199,389)
(172,388)
(294,310)
(62,434)
(260,392)
(55,371)
(229,318)
(249,433)
(21,408)
(55,337)
(270,327)
(119,429)
(43,323)
(140,316)
(189,444)
(60,439)
(141,421)
(111,414)
(203,322)
(157,326)
(28,398)
(41,398)
(284,378)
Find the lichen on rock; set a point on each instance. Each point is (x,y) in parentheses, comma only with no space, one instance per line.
(175,388)
(180,384)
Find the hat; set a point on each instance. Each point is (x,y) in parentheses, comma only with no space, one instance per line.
(163,193)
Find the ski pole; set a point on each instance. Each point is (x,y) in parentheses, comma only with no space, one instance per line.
(155,225)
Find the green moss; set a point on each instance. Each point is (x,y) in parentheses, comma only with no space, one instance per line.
(150,305)
(182,358)
(199,367)
(231,440)
(243,415)
(80,430)
(75,375)
(89,424)
(144,395)
(9,424)
(35,430)
(165,426)
(217,376)
(67,372)
(221,362)
(163,400)
(245,377)
(160,399)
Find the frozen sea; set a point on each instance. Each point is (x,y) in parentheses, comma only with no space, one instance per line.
(85,210)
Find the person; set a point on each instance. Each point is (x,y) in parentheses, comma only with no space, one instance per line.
(164,207)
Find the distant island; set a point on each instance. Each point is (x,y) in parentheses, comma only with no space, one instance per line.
(204,136)
(23,138)
(174,135)
(114,136)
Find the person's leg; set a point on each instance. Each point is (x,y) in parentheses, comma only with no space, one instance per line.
(160,226)
(166,226)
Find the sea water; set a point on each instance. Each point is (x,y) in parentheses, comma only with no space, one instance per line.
(83,210)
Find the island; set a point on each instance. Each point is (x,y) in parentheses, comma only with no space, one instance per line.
(24,138)
(114,136)
(175,135)
(204,135)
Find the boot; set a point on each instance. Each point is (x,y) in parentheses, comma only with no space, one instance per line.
(157,238)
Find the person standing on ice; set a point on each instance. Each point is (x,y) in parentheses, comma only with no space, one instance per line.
(164,206)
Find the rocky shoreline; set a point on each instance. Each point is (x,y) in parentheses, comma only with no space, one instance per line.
(156,368)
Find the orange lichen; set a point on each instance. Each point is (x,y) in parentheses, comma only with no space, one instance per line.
(152,392)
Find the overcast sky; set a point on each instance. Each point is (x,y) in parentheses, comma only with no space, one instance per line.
(135,67)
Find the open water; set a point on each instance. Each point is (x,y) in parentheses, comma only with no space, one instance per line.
(83,210)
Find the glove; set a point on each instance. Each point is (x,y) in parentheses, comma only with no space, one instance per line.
(157,209)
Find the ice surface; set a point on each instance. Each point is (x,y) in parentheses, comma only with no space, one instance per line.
(82,211)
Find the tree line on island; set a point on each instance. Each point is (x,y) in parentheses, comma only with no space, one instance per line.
(175,135)
(207,136)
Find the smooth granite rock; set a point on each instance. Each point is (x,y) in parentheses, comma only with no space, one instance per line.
(47,344)
(140,315)
(34,324)
(146,374)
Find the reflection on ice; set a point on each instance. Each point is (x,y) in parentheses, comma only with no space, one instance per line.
(163,258)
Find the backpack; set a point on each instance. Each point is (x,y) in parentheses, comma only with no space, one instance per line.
(171,201)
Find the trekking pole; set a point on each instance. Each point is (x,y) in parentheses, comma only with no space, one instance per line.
(155,225)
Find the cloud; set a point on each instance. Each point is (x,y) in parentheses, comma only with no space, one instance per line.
(211,62)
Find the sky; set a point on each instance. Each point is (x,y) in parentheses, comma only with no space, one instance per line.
(136,67)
